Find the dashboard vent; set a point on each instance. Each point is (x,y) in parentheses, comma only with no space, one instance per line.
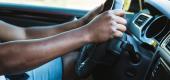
(168,46)
(141,20)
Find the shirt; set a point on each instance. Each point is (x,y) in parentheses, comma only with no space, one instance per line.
(2,77)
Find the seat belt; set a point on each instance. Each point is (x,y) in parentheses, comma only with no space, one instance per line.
(2,77)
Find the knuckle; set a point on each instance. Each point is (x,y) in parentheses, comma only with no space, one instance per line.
(109,17)
(111,23)
(118,34)
(123,27)
(107,12)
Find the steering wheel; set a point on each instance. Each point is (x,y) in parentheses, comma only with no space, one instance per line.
(93,54)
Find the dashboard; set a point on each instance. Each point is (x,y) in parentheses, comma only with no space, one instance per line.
(155,31)
(153,27)
(152,24)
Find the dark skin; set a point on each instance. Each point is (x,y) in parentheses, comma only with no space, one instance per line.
(22,55)
(45,31)
(10,32)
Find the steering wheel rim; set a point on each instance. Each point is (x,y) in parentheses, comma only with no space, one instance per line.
(82,68)
(88,59)
(92,55)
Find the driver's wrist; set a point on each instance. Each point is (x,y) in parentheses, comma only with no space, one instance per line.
(86,34)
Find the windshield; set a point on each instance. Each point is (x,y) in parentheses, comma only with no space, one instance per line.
(72,4)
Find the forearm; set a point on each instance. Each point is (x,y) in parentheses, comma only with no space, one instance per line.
(10,32)
(19,56)
(44,31)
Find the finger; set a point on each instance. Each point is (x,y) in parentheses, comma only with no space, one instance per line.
(119,20)
(114,26)
(121,27)
(117,33)
(116,18)
(118,12)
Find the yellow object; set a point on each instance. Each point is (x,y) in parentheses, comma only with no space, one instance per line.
(140,4)
(127,4)
(154,44)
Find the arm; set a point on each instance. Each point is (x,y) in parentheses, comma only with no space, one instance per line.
(19,56)
(10,32)
(22,55)
(44,31)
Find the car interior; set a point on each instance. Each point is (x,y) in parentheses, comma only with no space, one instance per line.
(143,53)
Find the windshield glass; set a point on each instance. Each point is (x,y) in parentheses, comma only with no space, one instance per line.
(72,4)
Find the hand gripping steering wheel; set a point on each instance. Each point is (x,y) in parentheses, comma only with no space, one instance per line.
(92,54)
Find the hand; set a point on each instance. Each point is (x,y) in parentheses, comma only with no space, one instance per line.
(92,14)
(106,25)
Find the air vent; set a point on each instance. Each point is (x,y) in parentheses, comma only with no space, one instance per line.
(168,46)
(141,20)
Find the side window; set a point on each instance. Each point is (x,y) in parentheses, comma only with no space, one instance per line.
(73,4)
